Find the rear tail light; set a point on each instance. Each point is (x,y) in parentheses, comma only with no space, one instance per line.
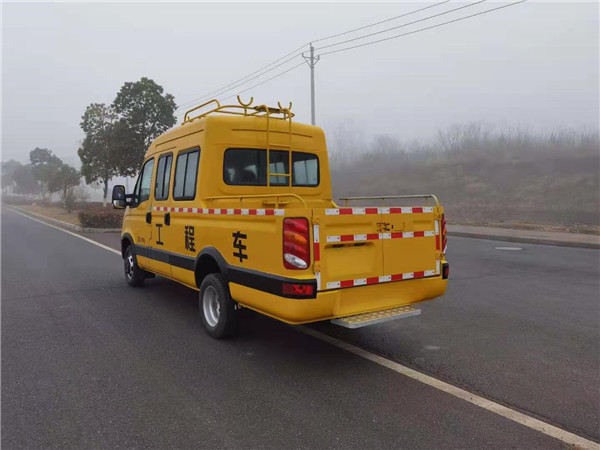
(296,244)
(444,241)
(445,271)
(301,290)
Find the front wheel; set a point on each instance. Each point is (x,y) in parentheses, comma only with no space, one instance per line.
(133,274)
(217,308)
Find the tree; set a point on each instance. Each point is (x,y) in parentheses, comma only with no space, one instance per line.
(25,180)
(65,178)
(42,156)
(144,113)
(44,166)
(8,172)
(101,150)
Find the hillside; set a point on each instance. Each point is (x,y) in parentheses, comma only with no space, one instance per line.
(483,177)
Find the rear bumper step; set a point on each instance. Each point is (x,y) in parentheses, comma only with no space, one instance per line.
(372,318)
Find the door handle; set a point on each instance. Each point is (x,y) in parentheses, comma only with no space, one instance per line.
(148,217)
(167,218)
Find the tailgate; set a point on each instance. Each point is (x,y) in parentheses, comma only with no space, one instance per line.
(360,246)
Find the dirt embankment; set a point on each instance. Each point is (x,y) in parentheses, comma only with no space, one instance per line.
(527,181)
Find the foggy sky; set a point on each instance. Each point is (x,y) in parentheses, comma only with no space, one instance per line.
(535,64)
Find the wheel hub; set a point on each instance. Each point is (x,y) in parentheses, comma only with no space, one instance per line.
(211,306)
(129,265)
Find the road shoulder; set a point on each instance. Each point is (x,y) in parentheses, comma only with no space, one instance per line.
(60,223)
(526,236)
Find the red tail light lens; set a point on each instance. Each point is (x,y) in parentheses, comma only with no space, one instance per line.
(297,289)
(445,271)
(444,241)
(296,244)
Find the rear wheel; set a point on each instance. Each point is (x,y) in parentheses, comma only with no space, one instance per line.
(133,274)
(217,308)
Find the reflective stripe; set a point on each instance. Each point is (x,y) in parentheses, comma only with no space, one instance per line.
(381,210)
(381,279)
(223,211)
(377,236)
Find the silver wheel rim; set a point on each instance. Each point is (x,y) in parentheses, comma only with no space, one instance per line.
(129,265)
(211,306)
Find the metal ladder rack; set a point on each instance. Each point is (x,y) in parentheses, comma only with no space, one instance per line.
(287,116)
(247,110)
(241,109)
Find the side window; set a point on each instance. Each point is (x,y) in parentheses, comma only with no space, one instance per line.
(163,177)
(186,175)
(144,183)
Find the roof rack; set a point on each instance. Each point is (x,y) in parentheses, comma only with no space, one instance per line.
(243,109)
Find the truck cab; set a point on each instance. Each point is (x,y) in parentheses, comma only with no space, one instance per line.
(236,203)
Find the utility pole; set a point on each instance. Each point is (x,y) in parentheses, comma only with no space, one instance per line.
(312,61)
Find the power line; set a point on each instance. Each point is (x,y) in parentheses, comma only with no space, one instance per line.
(402,25)
(265,81)
(202,97)
(380,22)
(422,29)
(258,73)
(294,54)
(222,91)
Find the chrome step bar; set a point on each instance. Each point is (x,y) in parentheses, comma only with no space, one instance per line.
(375,317)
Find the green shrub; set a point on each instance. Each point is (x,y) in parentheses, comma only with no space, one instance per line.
(69,200)
(101,218)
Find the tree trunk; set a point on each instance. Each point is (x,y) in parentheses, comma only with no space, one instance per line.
(105,193)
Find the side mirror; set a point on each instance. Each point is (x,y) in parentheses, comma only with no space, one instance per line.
(118,197)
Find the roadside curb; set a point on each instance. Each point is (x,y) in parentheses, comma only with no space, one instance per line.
(60,223)
(525,240)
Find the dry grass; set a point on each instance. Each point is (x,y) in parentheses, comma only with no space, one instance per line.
(54,212)
(581,229)
(509,179)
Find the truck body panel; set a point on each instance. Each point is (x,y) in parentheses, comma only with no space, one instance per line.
(197,217)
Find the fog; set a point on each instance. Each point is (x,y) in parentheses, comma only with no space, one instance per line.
(534,64)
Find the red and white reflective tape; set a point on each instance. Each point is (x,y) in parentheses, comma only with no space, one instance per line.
(381,279)
(224,211)
(317,253)
(379,210)
(376,236)
(316,249)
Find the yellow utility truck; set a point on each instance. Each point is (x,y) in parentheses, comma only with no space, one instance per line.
(236,203)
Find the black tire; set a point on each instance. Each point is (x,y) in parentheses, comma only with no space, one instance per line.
(133,274)
(217,308)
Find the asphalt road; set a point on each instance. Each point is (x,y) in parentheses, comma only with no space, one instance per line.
(89,362)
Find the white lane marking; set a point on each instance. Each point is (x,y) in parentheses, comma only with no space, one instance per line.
(69,232)
(508,248)
(511,414)
(515,416)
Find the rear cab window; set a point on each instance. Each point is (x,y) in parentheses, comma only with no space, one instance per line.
(248,167)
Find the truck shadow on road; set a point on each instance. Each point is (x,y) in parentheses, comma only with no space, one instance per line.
(255,331)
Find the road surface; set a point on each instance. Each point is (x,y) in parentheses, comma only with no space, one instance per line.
(89,362)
